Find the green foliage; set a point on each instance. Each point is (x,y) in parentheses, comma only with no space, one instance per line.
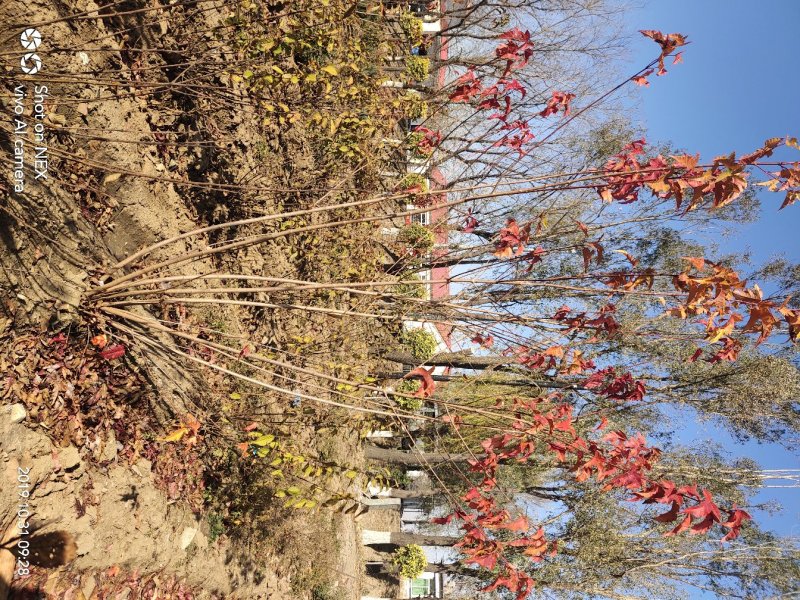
(414,181)
(412,27)
(216,526)
(417,68)
(416,237)
(325,591)
(409,561)
(412,105)
(408,386)
(420,344)
(410,290)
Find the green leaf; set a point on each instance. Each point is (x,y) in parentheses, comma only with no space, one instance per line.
(263,439)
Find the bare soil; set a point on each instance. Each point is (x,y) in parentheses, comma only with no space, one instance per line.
(122,521)
(111,192)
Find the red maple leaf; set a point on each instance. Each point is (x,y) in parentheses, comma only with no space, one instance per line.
(512,239)
(559,101)
(470,222)
(428,385)
(704,508)
(641,79)
(669,43)
(682,526)
(484,341)
(467,86)
(734,523)
(670,515)
(113,352)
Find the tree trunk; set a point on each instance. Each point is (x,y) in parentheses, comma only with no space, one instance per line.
(411,459)
(412,493)
(382,503)
(456,360)
(420,539)
(397,538)
(531,383)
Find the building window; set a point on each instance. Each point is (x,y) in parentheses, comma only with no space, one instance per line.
(421,588)
(421,218)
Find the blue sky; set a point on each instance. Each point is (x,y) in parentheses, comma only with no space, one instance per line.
(736,87)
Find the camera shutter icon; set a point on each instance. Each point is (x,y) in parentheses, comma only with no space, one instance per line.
(31,63)
(30,39)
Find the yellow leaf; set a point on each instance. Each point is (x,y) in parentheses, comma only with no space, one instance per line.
(266,45)
(176,435)
(262,440)
(330,70)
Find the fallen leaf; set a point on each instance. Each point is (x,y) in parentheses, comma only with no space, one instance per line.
(113,352)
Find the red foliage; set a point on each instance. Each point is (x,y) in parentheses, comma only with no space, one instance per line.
(669,43)
(470,222)
(484,341)
(516,49)
(515,141)
(113,352)
(430,140)
(718,293)
(623,388)
(512,239)
(559,101)
(467,87)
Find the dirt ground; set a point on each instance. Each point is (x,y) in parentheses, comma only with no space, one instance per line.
(120,520)
(106,198)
